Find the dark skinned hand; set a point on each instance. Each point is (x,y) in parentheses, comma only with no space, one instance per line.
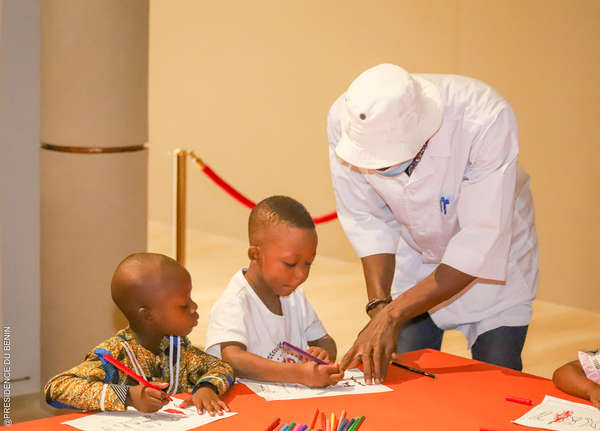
(145,399)
(374,347)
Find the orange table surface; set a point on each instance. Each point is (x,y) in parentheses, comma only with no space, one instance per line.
(466,395)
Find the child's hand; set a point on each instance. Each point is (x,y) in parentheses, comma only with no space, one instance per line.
(319,376)
(205,398)
(595,396)
(145,399)
(317,352)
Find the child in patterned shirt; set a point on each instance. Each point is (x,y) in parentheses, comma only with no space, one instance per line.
(153,291)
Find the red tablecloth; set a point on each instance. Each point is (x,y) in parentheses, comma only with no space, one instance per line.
(467,395)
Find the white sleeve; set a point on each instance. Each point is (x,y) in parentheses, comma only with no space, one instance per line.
(485,206)
(313,328)
(225,324)
(366,219)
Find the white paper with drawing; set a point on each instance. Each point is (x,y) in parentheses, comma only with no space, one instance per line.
(170,418)
(352,383)
(561,415)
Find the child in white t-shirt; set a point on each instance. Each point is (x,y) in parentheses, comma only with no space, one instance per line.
(262,306)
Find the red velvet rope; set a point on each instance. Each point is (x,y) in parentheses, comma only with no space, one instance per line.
(247,202)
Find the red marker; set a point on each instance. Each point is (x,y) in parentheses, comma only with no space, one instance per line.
(131,374)
(519,400)
(314,421)
(273,425)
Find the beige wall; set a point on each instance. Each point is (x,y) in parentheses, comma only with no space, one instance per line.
(544,56)
(19,192)
(248,86)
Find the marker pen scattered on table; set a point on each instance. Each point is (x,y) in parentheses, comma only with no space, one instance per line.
(314,420)
(525,401)
(357,423)
(414,370)
(343,424)
(274,424)
(349,425)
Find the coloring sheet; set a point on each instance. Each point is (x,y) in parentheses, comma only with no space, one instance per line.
(353,383)
(561,415)
(169,418)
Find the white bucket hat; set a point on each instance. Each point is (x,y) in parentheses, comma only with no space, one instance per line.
(387,116)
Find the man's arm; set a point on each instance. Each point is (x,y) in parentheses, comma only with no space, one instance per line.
(378,270)
(256,367)
(377,341)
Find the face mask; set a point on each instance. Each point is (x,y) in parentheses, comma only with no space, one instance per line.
(395,170)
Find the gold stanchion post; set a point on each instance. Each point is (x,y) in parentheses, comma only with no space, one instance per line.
(180,203)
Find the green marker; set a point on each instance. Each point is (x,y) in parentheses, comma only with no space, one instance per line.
(356,423)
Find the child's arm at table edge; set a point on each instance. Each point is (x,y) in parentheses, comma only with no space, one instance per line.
(214,371)
(326,343)
(571,378)
(251,366)
(82,387)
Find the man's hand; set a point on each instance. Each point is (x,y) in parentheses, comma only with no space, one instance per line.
(319,376)
(206,399)
(374,347)
(145,399)
(375,310)
(318,353)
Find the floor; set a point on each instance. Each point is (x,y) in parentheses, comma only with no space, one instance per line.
(336,290)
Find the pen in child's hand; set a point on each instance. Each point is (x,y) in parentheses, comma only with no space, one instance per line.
(303,353)
(131,374)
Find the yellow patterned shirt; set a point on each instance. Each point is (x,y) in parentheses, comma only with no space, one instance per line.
(95,384)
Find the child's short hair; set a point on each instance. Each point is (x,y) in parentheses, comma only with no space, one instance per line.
(279,209)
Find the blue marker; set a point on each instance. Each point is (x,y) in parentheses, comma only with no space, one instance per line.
(443,203)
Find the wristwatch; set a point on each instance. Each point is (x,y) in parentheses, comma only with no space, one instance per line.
(376,302)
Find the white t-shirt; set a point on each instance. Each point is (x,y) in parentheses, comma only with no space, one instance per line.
(239,315)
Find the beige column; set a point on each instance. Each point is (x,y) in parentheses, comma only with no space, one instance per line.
(19,197)
(93,167)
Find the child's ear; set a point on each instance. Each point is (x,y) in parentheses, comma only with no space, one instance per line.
(253,252)
(144,313)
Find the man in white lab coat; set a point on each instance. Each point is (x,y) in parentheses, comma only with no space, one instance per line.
(432,198)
